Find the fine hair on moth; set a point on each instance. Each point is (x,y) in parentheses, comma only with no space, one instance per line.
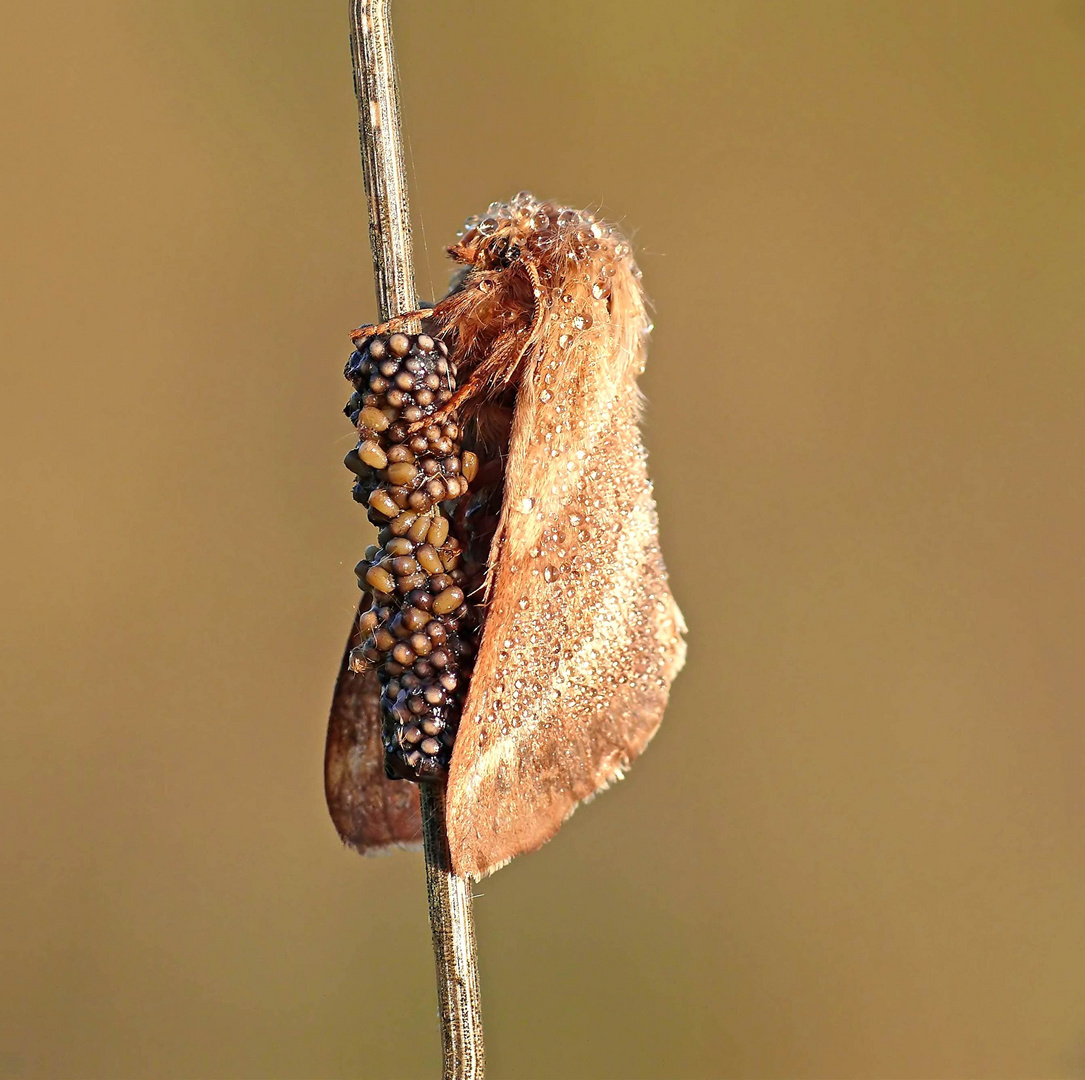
(517,637)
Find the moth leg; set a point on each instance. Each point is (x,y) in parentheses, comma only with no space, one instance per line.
(482,374)
(469,389)
(394,321)
(537,318)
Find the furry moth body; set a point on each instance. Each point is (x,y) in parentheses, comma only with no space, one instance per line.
(567,636)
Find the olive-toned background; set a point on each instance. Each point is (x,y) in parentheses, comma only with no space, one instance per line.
(857,847)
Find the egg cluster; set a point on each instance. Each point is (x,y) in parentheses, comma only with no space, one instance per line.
(419,630)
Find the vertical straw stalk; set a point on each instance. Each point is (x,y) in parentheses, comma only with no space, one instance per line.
(449,896)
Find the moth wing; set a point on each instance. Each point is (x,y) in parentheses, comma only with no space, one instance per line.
(582,635)
(371,813)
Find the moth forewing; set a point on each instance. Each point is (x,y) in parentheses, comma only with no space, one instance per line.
(582,637)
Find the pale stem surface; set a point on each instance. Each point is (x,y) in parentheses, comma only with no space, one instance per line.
(449,896)
(453,945)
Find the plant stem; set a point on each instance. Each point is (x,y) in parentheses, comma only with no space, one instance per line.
(453,946)
(377,91)
(449,896)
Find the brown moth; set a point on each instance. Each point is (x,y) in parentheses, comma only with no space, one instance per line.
(577,636)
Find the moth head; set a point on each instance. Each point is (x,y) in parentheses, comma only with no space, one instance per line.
(534,275)
(528,229)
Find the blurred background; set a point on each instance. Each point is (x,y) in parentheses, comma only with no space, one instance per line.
(863,229)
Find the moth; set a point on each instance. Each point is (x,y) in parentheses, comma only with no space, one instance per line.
(522,644)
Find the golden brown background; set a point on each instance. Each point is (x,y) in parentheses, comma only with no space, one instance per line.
(863,227)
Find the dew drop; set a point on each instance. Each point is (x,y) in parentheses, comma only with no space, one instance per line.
(568,217)
(487,226)
(527,504)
